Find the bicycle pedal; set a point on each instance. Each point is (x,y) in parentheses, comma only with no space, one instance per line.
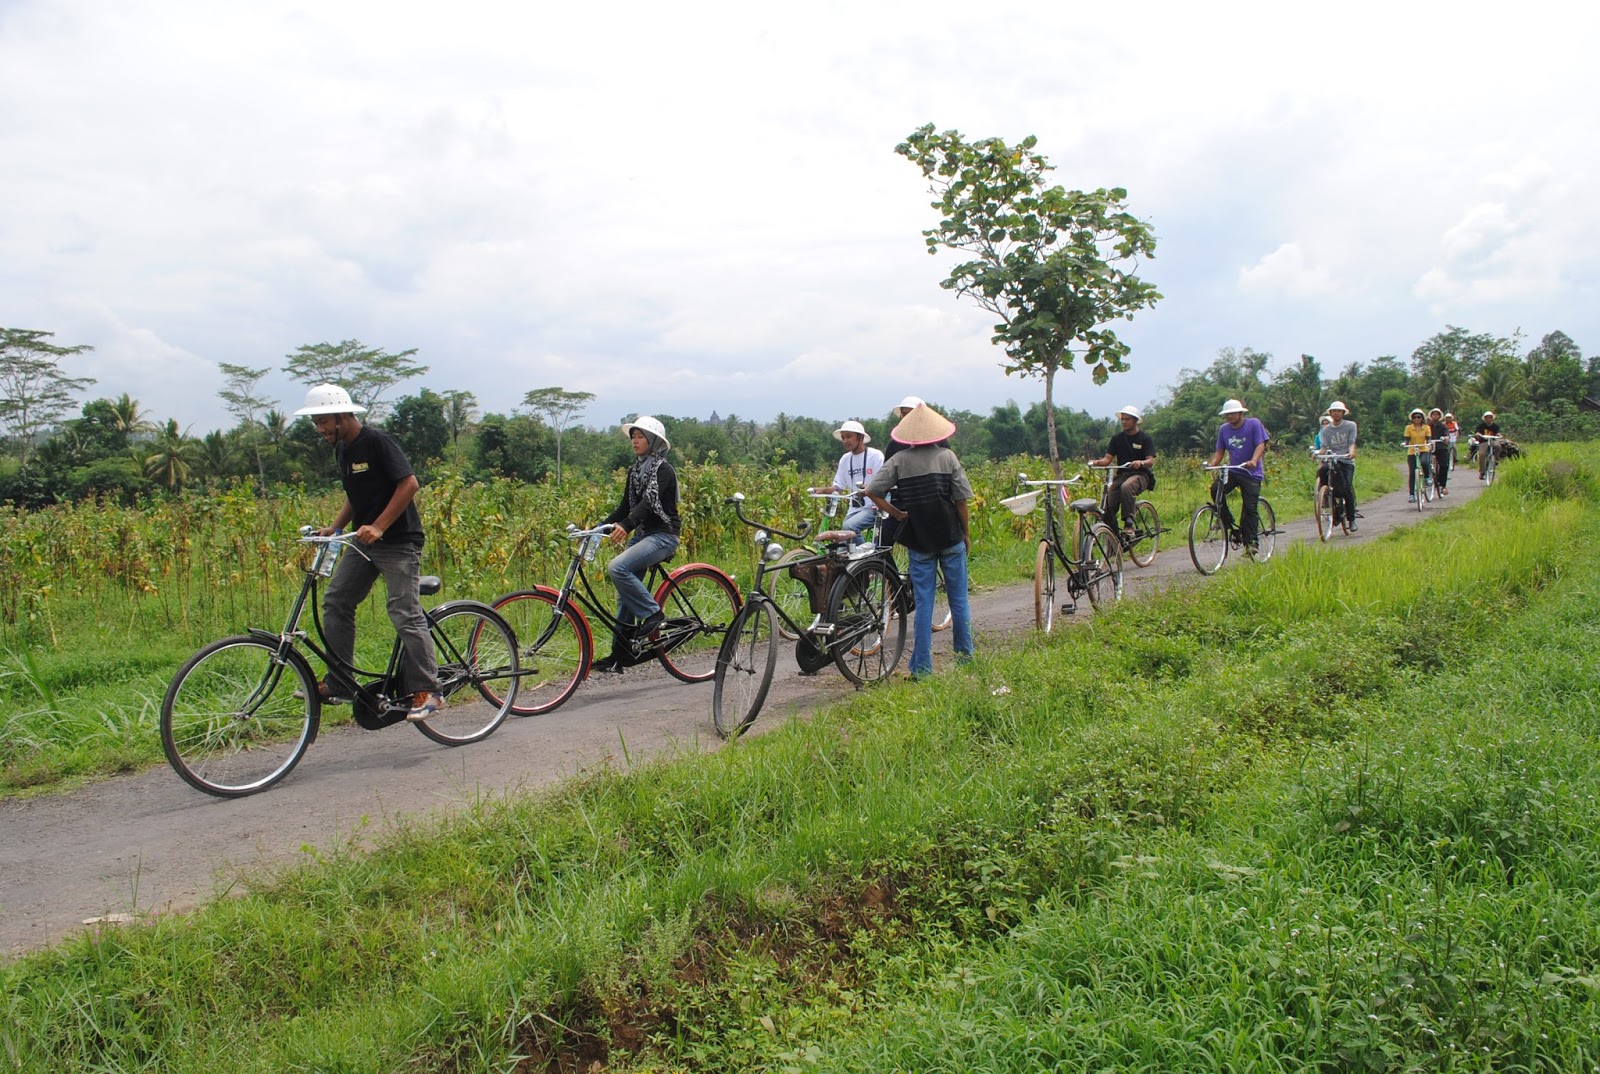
(819,627)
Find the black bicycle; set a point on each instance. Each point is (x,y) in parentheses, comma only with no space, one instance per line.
(1140,536)
(858,606)
(1328,503)
(1092,564)
(229,726)
(1213,530)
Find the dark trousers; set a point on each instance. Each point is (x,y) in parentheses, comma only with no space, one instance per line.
(1442,458)
(1340,477)
(1249,504)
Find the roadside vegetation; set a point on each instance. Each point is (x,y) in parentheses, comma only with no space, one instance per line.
(1337,813)
(100,604)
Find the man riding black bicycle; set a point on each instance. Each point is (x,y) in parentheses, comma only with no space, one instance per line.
(1339,437)
(1134,450)
(1243,440)
(379,486)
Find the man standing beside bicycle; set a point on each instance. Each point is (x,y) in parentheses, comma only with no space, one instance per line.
(856,467)
(1134,450)
(649,512)
(1339,437)
(1243,441)
(379,486)
(930,500)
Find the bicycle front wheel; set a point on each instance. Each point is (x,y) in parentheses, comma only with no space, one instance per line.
(1323,508)
(790,593)
(1044,587)
(1100,560)
(700,604)
(230,725)
(745,663)
(478,672)
(1208,540)
(868,636)
(1267,533)
(1489,473)
(554,650)
(1146,534)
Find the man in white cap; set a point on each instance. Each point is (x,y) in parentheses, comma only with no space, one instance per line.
(930,500)
(379,486)
(1477,446)
(1339,437)
(856,467)
(1134,450)
(1243,441)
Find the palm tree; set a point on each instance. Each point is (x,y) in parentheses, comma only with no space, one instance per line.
(173,458)
(128,417)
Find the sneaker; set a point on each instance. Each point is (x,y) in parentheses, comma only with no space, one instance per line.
(1411,499)
(323,695)
(1352,526)
(425,704)
(650,624)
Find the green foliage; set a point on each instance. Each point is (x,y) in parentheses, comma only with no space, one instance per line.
(34,390)
(365,372)
(419,424)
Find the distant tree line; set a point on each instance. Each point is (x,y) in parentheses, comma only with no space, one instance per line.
(112,447)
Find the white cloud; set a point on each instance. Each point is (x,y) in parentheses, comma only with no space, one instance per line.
(1287,271)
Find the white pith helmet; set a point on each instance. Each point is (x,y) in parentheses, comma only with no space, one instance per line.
(1132,412)
(1417,411)
(910,402)
(329,399)
(852,427)
(1233,406)
(649,425)
(1488,413)
(1339,406)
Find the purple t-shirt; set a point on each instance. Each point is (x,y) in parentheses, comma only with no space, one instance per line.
(1241,443)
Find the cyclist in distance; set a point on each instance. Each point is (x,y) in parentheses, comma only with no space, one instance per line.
(1453,427)
(1133,448)
(1339,436)
(1417,454)
(1316,437)
(1487,427)
(856,467)
(930,500)
(1439,433)
(648,518)
(1243,440)
(379,486)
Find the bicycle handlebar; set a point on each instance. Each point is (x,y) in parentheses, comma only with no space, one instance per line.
(1022,479)
(1227,466)
(737,500)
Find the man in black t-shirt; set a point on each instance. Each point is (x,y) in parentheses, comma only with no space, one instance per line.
(379,486)
(1134,450)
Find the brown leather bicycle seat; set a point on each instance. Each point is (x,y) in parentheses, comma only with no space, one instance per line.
(837,536)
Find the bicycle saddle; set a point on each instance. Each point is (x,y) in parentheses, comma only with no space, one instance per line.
(837,536)
(429,584)
(1084,505)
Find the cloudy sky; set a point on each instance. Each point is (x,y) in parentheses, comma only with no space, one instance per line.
(696,207)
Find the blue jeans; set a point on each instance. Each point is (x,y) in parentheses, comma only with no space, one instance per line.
(952,562)
(401,568)
(861,519)
(627,570)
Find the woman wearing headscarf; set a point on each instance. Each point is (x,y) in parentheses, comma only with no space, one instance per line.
(648,518)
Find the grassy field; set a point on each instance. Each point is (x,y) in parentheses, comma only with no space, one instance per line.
(102,604)
(1339,813)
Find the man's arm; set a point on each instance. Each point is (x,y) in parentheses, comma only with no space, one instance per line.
(966,529)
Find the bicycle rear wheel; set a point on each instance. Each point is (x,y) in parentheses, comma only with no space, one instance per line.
(1323,510)
(230,725)
(1044,587)
(745,664)
(554,650)
(1266,532)
(478,672)
(868,636)
(1146,534)
(1100,560)
(700,604)
(1208,540)
(790,593)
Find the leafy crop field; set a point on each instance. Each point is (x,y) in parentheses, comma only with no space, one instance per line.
(1339,813)
(100,604)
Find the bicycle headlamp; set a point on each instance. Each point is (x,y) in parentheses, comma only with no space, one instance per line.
(773,552)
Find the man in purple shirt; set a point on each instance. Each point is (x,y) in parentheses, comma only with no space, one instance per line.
(1243,440)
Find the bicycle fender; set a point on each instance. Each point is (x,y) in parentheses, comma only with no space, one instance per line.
(675,574)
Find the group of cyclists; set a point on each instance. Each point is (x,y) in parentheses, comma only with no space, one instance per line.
(922,499)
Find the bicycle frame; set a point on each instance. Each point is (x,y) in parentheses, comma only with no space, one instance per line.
(1077,570)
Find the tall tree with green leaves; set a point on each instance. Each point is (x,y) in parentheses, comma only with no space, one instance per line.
(460,411)
(365,372)
(241,393)
(172,456)
(556,407)
(34,391)
(1055,265)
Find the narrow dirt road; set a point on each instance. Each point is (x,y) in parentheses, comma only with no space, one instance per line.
(148,843)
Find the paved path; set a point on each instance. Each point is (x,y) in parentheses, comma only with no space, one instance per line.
(148,843)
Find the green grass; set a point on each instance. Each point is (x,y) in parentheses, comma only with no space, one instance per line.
(1294,818)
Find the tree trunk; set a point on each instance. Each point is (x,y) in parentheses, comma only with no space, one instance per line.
(1050,418)
(558,458)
